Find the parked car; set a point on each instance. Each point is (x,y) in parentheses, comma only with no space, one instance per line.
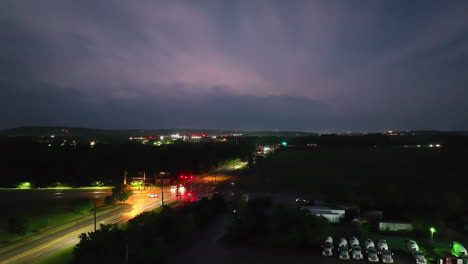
(343,249)
(328,247)
(153,195)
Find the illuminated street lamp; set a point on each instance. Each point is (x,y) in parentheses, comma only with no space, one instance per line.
(433,230)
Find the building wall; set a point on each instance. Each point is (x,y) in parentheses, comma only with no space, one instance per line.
(393,226)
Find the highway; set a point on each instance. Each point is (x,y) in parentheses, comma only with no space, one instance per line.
(48,244)
(52,243)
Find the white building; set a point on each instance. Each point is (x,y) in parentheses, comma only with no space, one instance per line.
(395,226)
(332,215)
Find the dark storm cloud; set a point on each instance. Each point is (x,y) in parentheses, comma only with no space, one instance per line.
(306,65)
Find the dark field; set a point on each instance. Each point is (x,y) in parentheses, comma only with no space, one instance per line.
(39,210)
(416,180)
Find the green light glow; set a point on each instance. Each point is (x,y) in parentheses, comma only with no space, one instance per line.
(284,143)
(433,230)
(24,185)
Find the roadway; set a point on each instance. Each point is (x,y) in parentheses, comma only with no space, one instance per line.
(52,243)
(49,244)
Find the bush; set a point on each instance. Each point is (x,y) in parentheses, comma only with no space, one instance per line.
(149,237)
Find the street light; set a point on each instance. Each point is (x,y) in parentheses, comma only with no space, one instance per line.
(433,230)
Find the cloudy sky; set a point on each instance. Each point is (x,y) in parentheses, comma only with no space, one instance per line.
(252,65)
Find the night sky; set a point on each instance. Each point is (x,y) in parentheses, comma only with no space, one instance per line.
(313,65)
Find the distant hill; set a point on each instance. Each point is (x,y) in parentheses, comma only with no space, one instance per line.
(37,131)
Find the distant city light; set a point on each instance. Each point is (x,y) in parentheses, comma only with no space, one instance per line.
(284,143)
(92,143)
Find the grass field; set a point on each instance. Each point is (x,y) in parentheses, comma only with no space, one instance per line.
(37,215)
(399,177)
(86,188)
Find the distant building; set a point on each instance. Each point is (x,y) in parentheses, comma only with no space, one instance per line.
(395,226)
(332,215)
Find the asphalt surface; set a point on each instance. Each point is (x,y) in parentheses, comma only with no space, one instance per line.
(52,243)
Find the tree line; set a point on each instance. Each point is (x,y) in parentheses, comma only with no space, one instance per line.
(149,237)
(30,161)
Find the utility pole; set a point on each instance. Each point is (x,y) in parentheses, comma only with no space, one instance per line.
(94,202)
(162,190)
(126,253)
(125,177)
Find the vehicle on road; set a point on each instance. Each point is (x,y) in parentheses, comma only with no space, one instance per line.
(153,195)
(328,247)
(371,251)
(343,249)
(356,252)
(458,250)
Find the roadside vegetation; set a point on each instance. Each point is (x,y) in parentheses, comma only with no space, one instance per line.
(408,184)
(149,237)
(104,163)
(258,222)
(24,220)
